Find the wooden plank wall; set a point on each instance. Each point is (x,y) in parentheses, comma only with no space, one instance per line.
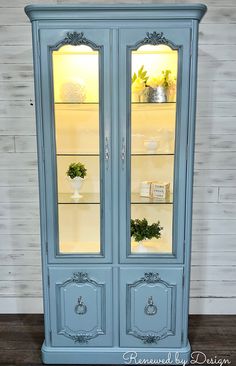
(213,284)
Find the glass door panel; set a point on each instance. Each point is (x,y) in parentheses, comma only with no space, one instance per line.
(77,130)
(153,129)
(153,122)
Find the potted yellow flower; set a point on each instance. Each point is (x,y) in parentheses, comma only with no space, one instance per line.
(158,94)
(139,85)
(163,87)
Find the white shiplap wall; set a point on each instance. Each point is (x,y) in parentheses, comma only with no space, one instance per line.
(213,285)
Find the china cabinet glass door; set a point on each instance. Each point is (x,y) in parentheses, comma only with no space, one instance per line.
(153,142)
(79,142)
(77,125)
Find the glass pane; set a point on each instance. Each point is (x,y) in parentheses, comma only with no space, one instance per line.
(153,120)
(76,109)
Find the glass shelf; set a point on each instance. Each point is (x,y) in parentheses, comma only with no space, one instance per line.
(155,154)
(76,103)
(77,154)
(98,103)
(94,199)
(155,103)
(137,199)
(94,154)
(87,198)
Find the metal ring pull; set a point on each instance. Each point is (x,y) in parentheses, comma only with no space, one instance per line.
(123,152)
(80,308)
(150,308)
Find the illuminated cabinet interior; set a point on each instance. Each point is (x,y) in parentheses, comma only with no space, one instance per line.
(115,112)
(153,140)
(77,126)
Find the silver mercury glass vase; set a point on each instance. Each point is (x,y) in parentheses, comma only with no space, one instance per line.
(158,95)
(146,94)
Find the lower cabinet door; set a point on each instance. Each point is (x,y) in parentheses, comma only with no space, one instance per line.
(151,307)
(81,306)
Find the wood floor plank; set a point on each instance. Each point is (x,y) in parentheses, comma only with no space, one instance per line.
(21,336)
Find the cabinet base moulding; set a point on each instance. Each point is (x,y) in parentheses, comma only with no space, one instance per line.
(164,356)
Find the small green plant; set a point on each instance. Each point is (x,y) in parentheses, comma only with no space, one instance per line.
(166,77)
(141,76)
(140,230)
(76,170)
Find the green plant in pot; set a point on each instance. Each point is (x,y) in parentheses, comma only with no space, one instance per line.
(140,231)
(76,173)
(169,82)
(166,77)
(157,83)
(160,84)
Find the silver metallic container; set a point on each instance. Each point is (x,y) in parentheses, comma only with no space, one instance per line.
(146,95)
(158,95)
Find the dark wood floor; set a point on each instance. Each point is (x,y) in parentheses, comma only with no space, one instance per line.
(21,337)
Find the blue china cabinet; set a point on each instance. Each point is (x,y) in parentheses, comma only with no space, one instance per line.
(115,92)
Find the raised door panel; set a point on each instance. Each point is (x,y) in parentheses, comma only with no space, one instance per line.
(151,301)
(80,303)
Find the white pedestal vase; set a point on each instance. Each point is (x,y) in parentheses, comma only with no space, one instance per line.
(76,184)
(141,247)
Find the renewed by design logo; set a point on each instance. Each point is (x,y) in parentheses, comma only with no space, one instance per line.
(174,358)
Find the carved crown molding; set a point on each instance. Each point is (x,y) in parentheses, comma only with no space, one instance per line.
(155,39)
(76,39)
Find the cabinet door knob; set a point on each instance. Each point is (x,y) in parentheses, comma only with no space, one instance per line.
(150,308)
(107,152)
(80,308)
(123,152)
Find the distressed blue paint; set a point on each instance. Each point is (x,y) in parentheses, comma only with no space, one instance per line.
(116,11)
(41,175)
(96,291)
(166,291)
(189,178)
(102,355)
(118,290)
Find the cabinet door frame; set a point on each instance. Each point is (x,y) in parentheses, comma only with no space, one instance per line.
(67,283)
(165,283)
(178,35)
(50,39)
